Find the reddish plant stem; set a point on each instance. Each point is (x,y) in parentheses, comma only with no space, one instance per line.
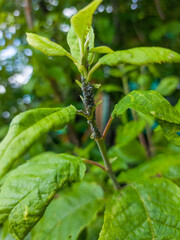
(107,127)
(95,164)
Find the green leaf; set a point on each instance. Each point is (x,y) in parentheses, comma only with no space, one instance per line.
(123,157)
(111,88)
(29,189)
(122,70)
(82,21)
(73,43)
(177,106)
(168,85)
(128,132)
(149,103)
(171,132)
(94,228)
(4,234)
(144,81)
(101,49)
(3,131)
(141,56)
(45,45)
(91,37)
(70,213)
(167,166)
(26,128)
(146,211)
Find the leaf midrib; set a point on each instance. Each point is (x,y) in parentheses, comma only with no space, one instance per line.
(146,211)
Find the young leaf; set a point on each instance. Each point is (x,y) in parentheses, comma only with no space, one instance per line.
(26,128)
(73,43)
(91,38)
(45,45)
(101,49)
(82,21)
(141,56)
(168,85)
(29,189)
(167,166)
(76,207)
(148,210)
(149,103)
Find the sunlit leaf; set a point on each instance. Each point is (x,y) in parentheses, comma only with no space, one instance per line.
(29,126)
(102,50)
(82,21)
(91,37)
(77,207)
(73,43)
(141,56)
(148,210)
(45,45)
(148,102)
(153,104)
(29,189)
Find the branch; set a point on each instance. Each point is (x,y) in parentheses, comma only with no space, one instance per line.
(95,164)
(107,127)
(88,101)
(102,149)
(27,10)
(159,9)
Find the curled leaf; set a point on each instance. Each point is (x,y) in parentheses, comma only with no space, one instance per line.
(26,128)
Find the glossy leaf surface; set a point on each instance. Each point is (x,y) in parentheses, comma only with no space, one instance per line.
(82,21)
(142,211)
(153,104)
(102,50)
(73,43)
(29,189)
(148,102)
(29,126)
(45,45)
(141,56)
(72,211)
